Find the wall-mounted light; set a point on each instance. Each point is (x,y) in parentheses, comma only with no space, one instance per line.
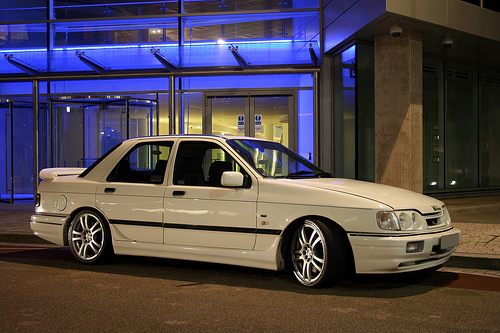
(242,62)
(99,68)
(25,67)
(167,63)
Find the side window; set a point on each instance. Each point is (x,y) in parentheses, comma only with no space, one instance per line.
(145,163)
(203,163)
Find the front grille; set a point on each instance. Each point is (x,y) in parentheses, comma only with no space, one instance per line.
(432,222)
(435,220)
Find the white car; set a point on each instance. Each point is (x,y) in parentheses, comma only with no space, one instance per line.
(240,201)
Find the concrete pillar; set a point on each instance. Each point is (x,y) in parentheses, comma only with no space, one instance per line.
(398,110)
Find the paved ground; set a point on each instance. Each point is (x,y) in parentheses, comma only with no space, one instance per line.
(478,218)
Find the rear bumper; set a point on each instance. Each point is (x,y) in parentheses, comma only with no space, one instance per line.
(378,254)
(49,227)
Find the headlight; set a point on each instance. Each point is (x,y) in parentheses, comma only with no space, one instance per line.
(446,216)
(405,221)
(388,221)
(417,220)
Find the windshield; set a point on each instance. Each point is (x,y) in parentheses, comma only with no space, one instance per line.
(274,160)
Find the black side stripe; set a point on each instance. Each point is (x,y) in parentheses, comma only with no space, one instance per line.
(52,215)
(198,227)
(137,223)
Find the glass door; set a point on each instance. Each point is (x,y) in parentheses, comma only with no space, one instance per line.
(271,118)
(16,168)
(89,126)
(6,152)
(229,115)
(261,116)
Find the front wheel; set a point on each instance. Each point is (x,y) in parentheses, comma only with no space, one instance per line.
(89,238)
(318,254)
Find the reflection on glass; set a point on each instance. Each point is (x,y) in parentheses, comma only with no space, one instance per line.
(461,127)
(226,115)
(272,159)
(192,112)
(272,113)
(345,113)
(490,129)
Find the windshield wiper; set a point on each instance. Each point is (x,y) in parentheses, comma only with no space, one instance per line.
(324,175)
(299,173)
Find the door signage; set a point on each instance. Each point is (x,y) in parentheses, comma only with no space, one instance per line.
(258,123)
(241,123)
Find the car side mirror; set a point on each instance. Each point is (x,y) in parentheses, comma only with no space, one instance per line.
(232,179)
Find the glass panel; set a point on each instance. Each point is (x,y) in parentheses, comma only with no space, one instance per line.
(5,151)
(433,110)
(164,120)
(193,110)
(365,113)
(271,118)
(23,36)
(142,118)
(13,11)
(92,140)
(492,4)
(490,129)
(112,127)
(271,159)
(270,29)
(235,5)
(305,124)
(113,8)
(23,151)
(69,136)
(345,113)
(124,32)
(16,149)
(202,164)
(227,113)
(144,164)
(461,127)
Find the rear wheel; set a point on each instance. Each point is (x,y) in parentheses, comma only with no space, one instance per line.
(89,238)
(318,254)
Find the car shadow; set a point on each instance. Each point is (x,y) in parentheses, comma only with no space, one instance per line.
(189,273)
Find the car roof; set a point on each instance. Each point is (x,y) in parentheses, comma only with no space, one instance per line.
(201,136)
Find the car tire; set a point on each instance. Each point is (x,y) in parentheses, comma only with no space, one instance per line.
(318,254)
(89,238)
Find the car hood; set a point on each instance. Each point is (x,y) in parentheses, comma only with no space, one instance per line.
(397,198)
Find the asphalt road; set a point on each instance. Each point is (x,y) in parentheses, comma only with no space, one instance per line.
(43,289)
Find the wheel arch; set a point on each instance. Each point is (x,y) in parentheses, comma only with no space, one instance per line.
(292,227)
(76,212)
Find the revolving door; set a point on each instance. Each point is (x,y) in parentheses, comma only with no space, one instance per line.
(86,127)
(16,148)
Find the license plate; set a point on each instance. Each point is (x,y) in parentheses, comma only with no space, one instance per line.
(450,241)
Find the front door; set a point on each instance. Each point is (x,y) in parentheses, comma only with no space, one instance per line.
(199,211)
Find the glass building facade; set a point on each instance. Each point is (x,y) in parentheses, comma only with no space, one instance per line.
(105,71)
(77,77)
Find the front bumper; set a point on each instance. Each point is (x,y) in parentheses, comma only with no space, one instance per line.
(377,254)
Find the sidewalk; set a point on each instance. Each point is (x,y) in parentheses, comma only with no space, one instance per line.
(478,218)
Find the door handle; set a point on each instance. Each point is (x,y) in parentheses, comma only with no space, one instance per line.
(109,190)
(176,193)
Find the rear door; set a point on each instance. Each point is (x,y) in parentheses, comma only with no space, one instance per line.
(132,195)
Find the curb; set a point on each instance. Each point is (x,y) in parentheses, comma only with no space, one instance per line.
(474,262)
